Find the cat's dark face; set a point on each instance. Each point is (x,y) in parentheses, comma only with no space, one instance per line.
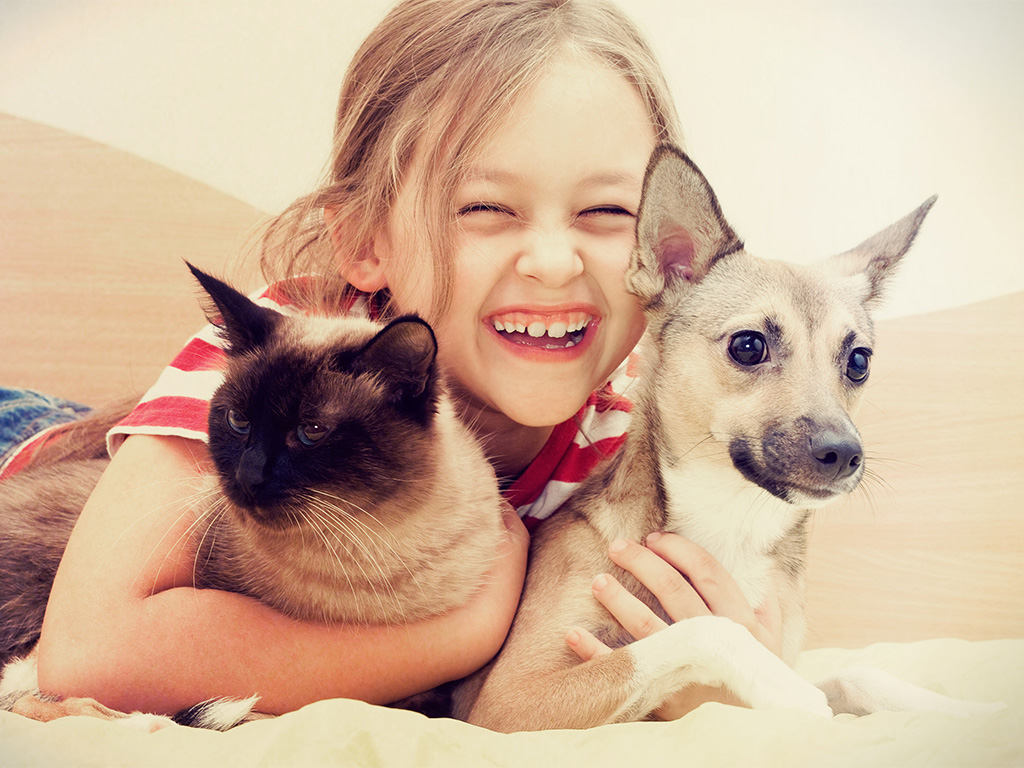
(316,412)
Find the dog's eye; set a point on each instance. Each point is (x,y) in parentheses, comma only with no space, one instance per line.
(238,422)
(748,348)
(857,367)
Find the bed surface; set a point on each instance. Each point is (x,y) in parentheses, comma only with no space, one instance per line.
(94,301)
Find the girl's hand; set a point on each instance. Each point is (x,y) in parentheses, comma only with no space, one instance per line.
(688,582)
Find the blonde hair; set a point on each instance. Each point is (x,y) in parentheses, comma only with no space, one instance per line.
(435,77)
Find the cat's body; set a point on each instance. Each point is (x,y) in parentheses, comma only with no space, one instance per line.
(346,487)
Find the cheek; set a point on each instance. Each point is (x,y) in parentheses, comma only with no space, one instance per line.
(411,282)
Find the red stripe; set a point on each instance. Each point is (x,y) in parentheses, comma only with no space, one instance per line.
(186,413)
(578,463)
(529,485)
(199,355)
(29,449)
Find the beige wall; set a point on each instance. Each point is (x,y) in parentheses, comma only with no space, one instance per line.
(817,122)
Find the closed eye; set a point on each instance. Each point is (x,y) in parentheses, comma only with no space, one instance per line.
(466,210)
(607,210)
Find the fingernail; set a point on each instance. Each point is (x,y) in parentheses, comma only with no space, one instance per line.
(573,637)
(617,546)
(652,537)
(600,581)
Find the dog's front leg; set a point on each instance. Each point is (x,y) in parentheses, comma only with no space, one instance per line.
(715,651)
(864,690)
(633,681)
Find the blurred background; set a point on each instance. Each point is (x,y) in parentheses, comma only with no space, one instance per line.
(817,123)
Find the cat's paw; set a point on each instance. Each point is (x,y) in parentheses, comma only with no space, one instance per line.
(45,708)
(140,721)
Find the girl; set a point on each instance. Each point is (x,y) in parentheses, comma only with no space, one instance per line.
(486,173)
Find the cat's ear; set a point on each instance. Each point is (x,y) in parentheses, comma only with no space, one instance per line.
(244,324)
(402,354)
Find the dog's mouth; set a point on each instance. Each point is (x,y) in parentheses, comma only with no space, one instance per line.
(789,478)
(562,331)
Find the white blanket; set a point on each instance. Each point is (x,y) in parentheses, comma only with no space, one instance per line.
(350,733)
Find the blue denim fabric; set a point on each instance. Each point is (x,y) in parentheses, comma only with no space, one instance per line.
(24,412)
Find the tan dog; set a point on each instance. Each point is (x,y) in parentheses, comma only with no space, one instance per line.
(741,427)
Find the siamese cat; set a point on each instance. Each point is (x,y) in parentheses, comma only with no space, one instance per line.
(346,489)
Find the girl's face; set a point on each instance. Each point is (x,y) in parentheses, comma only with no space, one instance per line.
(539,315)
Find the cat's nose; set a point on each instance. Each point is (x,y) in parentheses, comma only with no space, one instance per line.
(251,473)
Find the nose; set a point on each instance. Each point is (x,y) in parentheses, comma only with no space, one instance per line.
(550,257)
(836,456)
(251,472)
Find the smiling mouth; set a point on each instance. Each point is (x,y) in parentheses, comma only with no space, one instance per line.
(558,332)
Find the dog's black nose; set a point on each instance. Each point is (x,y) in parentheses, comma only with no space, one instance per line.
(836,456)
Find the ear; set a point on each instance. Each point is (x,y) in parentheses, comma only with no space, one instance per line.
(243,323)
(364,271)
(680,230)
(876,258)
(404,354)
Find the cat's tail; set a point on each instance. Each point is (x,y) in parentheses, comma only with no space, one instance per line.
(85,438)
(219,714)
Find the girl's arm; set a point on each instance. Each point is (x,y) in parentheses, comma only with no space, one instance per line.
(124,626)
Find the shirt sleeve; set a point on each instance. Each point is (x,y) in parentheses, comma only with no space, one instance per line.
(178,404)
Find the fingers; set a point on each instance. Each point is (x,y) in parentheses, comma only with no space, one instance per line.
(664,578)
(715,585)
(678,572)
(634,616)
(585,645)
(518,539)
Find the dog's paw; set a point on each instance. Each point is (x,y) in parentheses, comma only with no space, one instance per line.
(865,690)
(778,686)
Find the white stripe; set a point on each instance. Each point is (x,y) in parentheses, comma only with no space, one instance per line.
(117,436)
(177,383)
(551,498)
(599,426)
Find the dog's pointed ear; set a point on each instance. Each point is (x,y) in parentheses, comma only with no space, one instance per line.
(240,321)
(877,257)
(680,229)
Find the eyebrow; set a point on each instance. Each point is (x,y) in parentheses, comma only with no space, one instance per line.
(599,179)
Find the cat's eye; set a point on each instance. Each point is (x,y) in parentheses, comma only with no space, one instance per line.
(748,348)
(858,365)
(238,422)
(311,434)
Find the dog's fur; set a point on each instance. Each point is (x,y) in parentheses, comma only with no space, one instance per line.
(733,456)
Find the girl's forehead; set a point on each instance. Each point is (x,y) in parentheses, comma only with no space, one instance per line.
(578,111)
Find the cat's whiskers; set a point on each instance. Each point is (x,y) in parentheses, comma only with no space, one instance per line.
(378,534)
(210,515)
(328,520)
(197,504)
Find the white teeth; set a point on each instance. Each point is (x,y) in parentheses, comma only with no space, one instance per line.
(538,328)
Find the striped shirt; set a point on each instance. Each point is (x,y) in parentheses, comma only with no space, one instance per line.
(178,405)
